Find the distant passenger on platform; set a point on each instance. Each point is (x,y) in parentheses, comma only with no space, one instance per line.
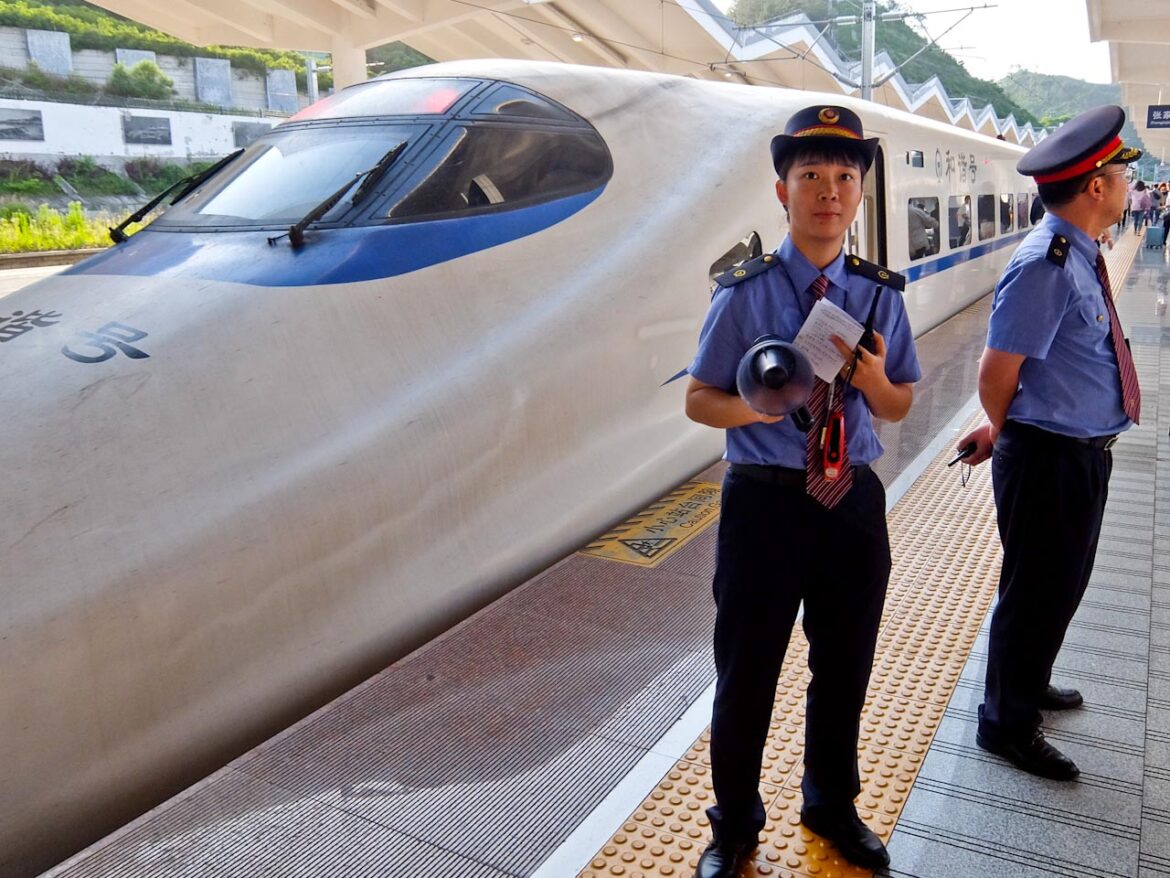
(1139,205)
(1058,385)
(792,529)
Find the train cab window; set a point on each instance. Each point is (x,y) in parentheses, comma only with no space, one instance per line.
(496,167)
(509,101)
(959,220)
(288,173)
(986,208)
(1005,213)
(923,229)
(1022,210)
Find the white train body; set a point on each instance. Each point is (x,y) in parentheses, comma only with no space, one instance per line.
(240,477)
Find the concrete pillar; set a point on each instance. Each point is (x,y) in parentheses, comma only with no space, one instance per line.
(349,66)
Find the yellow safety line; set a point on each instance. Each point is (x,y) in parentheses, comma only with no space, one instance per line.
(946,565)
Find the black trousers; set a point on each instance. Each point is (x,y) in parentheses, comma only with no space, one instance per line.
(778,547)
(1050,494)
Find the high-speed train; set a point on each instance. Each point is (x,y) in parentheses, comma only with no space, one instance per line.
(388,361)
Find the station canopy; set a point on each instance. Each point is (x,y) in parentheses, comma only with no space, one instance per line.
(1138,32)
(684,37)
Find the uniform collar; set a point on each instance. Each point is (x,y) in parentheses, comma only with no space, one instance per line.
(1080,241)
(802,273)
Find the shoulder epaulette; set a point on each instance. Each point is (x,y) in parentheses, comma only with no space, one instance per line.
(1058,249)
(875,272)
(748,269)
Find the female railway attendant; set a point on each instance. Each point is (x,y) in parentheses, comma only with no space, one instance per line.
(1058,384)
(788,531)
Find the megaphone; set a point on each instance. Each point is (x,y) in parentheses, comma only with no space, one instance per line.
(776,378)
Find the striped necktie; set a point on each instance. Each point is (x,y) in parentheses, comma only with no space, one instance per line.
(825,491)
(1131,392)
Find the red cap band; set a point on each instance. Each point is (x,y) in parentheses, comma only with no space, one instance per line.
(1083,167)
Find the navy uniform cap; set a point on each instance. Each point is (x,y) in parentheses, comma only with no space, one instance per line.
(824,124)
(1082,144)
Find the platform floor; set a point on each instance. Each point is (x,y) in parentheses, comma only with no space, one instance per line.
(560,730)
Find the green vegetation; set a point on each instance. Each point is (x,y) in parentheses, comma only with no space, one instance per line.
(143,80)
(34,77)
(26,231)
(26,178)
(154,175)
(92,28)
(896,38)
(89,178)
(394,56)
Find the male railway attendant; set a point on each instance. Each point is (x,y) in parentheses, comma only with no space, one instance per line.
(788,532)
(1058,384)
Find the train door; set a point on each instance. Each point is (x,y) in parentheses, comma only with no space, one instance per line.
(867,235)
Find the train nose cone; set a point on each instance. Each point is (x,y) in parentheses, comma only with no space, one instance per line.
(774,377)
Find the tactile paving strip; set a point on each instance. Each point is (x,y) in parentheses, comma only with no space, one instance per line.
(946,560)
(946,555)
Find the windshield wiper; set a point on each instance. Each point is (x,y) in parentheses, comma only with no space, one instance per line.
(296,232)
(118,234)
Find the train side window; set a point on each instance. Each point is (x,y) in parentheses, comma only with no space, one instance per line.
(510,101)
(497,167)
(1005,213)
(1022,210)
(915,158)
(1036,213)
(986,207)
(923,229)
(959,220)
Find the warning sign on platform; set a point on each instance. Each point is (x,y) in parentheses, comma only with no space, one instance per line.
(660,530)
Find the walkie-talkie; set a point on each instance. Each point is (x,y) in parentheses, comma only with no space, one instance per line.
(867,340)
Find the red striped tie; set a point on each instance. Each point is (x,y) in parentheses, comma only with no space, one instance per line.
(1131,392)
(825,491)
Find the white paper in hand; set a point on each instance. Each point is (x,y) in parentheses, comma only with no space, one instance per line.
(814,341)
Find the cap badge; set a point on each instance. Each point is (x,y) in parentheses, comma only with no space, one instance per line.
(829,116)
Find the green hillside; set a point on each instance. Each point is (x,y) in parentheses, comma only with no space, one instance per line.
(1057,98)
(896,38)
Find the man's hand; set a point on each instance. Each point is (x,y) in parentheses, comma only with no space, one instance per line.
(984,440)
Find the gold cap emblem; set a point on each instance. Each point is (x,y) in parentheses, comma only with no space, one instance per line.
(829,116)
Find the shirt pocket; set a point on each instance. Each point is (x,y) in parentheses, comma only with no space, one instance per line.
(1093,314)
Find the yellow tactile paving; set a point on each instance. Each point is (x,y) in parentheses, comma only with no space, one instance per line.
(946,561)
(946,565)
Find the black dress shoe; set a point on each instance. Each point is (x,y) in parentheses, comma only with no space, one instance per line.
(856,842)
(1034,755)
(1056,698)
(723,859)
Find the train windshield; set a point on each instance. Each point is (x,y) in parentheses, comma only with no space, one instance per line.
(289,173)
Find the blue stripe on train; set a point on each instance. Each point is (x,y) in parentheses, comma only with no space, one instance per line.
(329,256)
(926,269)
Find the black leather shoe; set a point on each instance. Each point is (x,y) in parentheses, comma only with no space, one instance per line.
(1034,755)
(1056,698)
(856,842)
(722,860)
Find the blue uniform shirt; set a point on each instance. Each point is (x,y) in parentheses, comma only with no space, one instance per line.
(1056,317)
(777,302)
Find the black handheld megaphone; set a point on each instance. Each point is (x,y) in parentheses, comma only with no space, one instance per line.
(776,378)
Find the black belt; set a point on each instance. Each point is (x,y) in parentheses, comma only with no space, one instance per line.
(1102,443)
(779,475)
